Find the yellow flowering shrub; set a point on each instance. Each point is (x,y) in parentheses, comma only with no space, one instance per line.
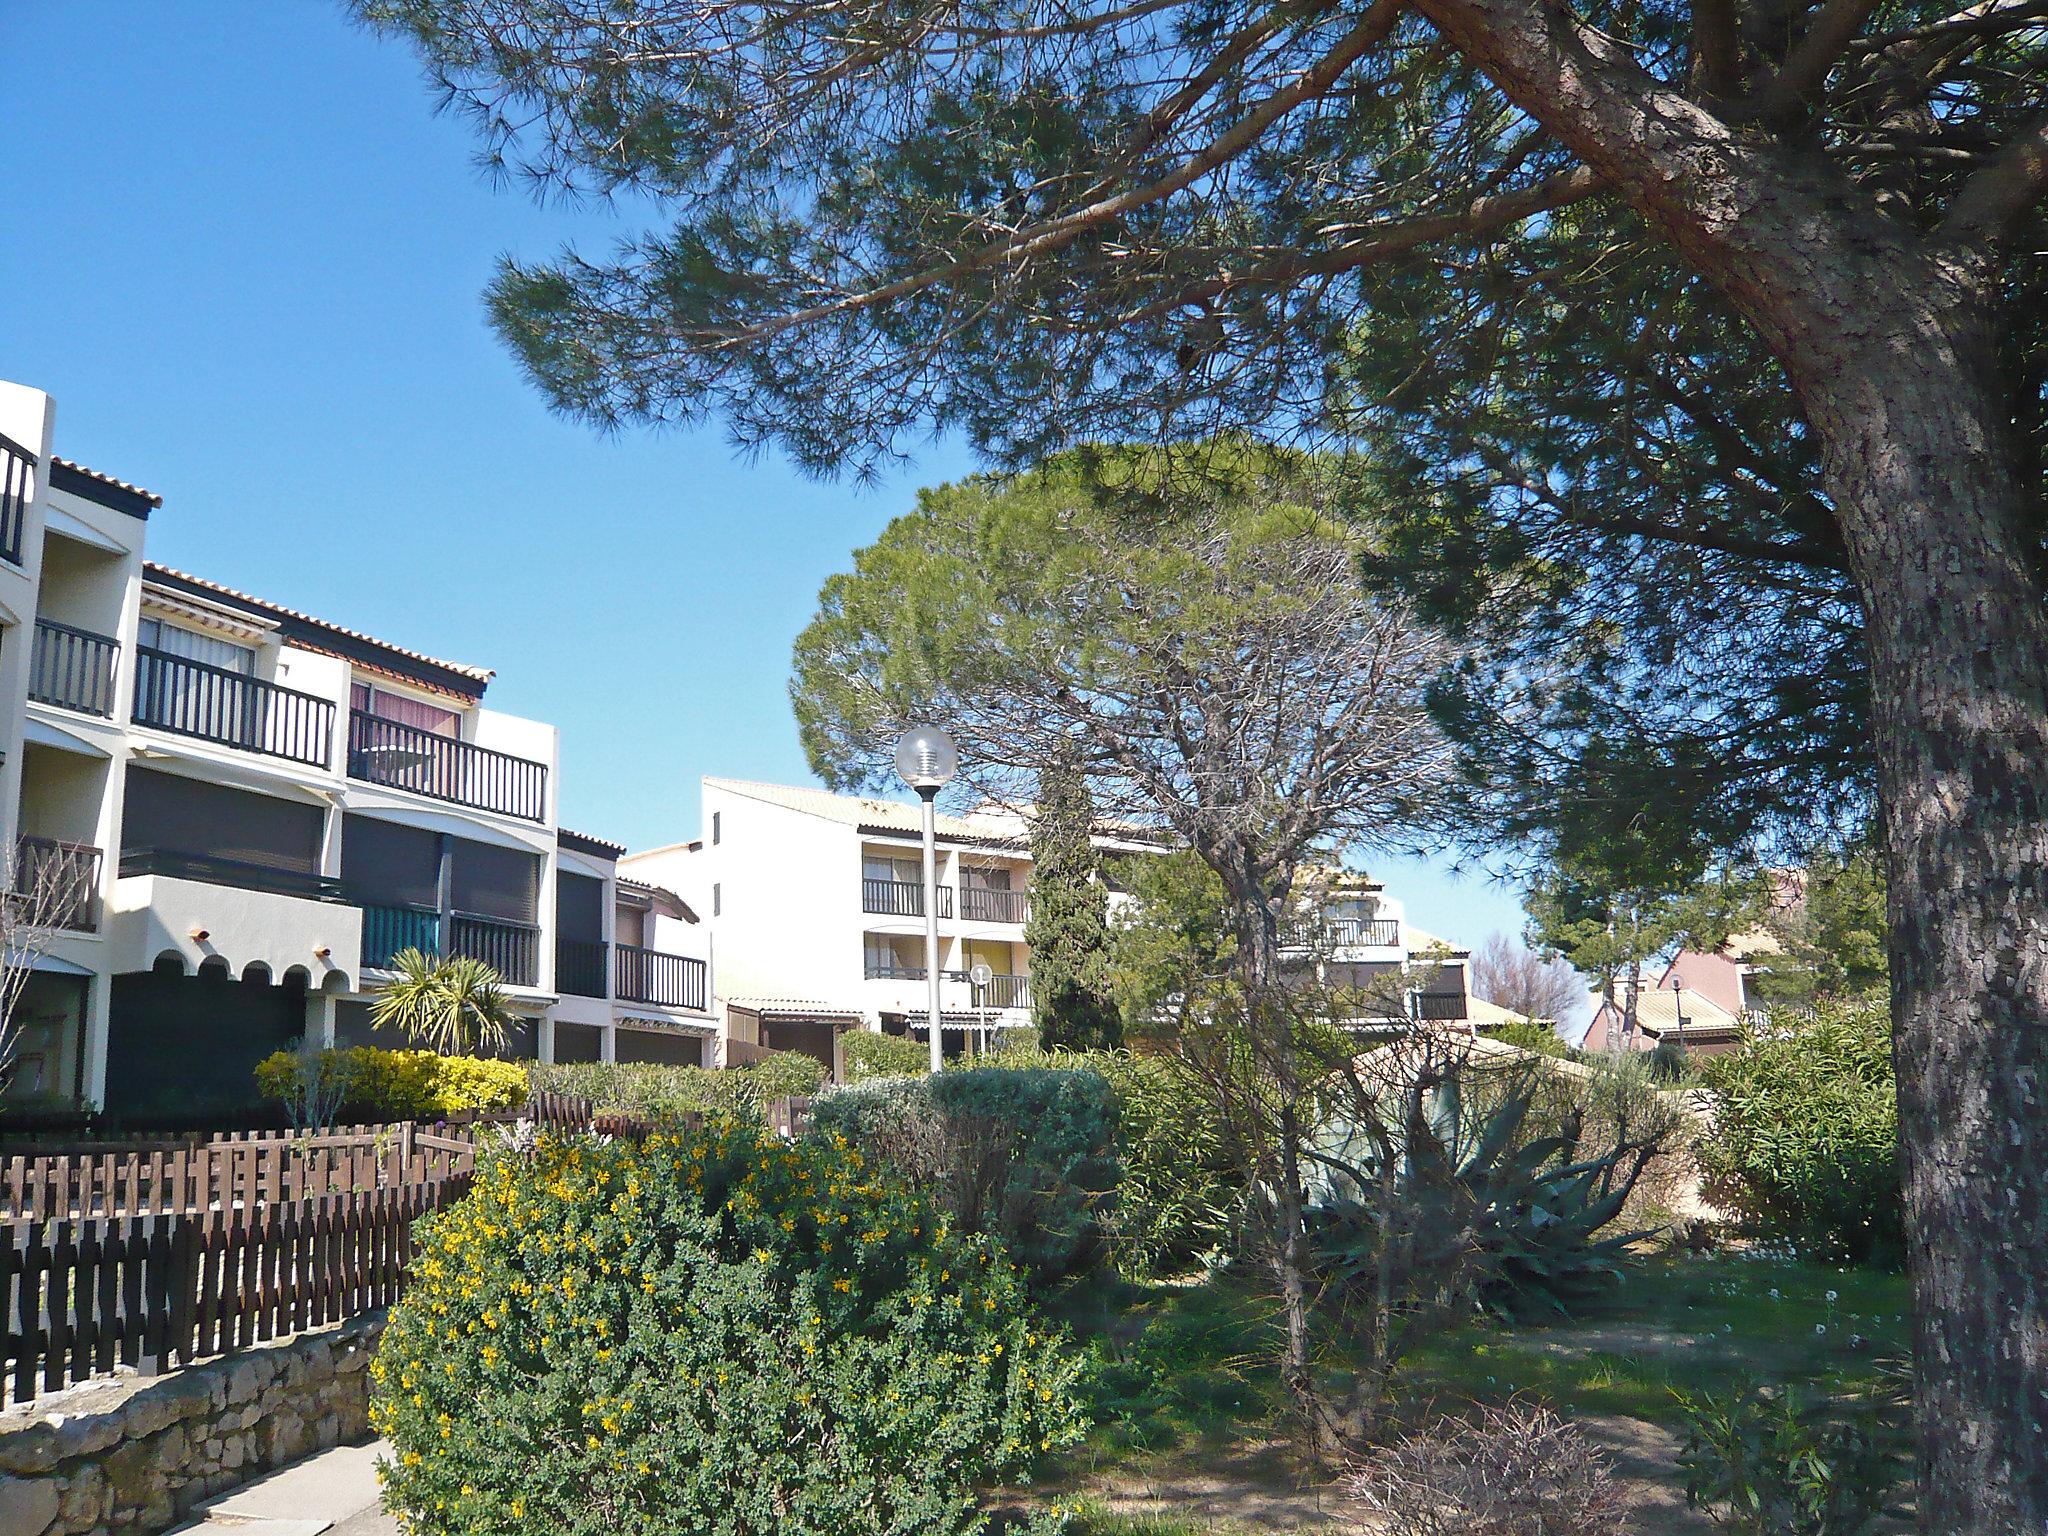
(714,1331)
(402,1085)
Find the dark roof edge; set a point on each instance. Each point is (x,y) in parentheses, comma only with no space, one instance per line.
(322,636)
(115,495)
(583,842)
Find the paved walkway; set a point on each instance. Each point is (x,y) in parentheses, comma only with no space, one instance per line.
(333,1493)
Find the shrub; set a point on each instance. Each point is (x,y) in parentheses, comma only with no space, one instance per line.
(378,1085)
(1178,1192)
(1025,1154)
(715,1331)
(664,1095)
(1781,1464)
(786,1075)
(1519,1471)
(1804,1146)
(1529,1035)
(868,1054)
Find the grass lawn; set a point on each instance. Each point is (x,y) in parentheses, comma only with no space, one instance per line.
(1185,1399)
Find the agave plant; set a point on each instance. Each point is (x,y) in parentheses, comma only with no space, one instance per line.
(451,1006)
(1433,1199)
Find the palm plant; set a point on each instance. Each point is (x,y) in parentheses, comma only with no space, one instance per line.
(449,1005)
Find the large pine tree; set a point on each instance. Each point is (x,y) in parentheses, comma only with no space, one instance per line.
(1068,929)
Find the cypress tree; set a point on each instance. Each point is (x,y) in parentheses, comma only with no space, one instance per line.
(1067,930)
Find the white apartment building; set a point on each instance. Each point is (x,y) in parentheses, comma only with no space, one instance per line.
(814,904)
(815,907)
(257,808)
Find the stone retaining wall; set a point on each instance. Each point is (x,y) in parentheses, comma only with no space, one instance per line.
(135,1454)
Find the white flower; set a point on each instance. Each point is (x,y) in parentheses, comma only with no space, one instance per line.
(1831,1296)
(1819,1328)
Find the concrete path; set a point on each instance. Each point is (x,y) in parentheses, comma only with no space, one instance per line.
(333,1493)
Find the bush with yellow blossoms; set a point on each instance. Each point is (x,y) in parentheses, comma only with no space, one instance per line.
(711,1332)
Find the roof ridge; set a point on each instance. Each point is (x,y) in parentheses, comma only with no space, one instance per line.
(106,479)
(462,668)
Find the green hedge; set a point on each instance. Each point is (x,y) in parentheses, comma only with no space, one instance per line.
(867,1054)
(710,1332)
(1026,1154)
(399,1085)
(1805,1140)
(665,1094)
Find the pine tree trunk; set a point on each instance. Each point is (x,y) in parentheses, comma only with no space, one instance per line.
(1939,527)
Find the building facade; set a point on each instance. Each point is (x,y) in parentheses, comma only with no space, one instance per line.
(814,903)
(242,812)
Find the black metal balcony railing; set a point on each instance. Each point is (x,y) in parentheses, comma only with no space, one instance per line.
(401,756)
(58,883)
(73,668)
(580,967)
(1440,1005)
(652,976)
(901,898)
(196,698)
(980,904)
(17,490)
(512,949)
(1342,932)
(241,874)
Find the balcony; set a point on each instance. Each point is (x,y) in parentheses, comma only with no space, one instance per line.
(57,884)
(512,949)
(901,898)
(17,490)
(981,904)
(1007,992)
(652,976)
(400,756)
(240,874)
(580,967)
(1446,1006)
(195,698)
(1002,991)
(73,668)
(1342,933)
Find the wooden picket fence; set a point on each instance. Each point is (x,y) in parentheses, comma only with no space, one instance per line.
(157,1258)
(83,1295)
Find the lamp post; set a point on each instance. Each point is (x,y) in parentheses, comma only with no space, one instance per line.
(927,760)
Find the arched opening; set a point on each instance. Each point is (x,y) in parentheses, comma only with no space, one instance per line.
(256,973)
(215,968)
(335,981)
(170,963)
(296,976)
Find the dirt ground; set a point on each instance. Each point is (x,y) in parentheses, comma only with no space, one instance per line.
(1260,1488)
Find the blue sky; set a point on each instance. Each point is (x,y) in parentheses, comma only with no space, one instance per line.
(246,258)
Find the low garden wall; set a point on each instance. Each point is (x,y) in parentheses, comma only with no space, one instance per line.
(137,1453)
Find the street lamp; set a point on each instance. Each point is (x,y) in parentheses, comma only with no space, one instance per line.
(927,760)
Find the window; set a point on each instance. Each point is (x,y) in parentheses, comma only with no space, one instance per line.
(716,816)
(387,864)
(579,908)
(194,646)
(403,709)
(169,813)
(875,866)
(982,878)
(717,901)
(490,881)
